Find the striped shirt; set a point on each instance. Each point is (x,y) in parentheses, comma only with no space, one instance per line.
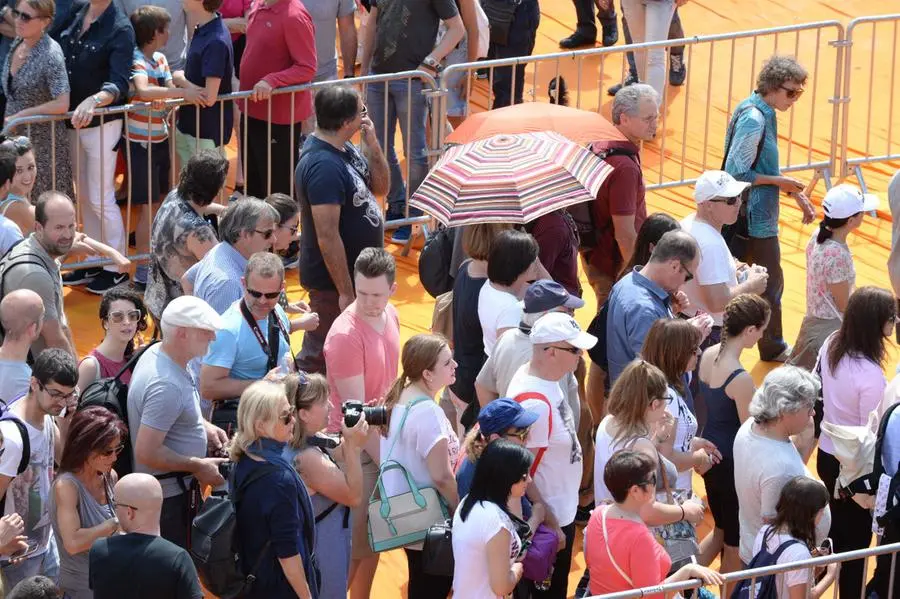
(147,125)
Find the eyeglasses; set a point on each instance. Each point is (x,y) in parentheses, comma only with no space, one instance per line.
(115,450)
(793,92)
(292,230)
(118,317)
(24,16)
(728,201)
(575,351)
(688,275)
(665,400)
(259,294)
(286,417)
(521,434)
(58,394)
(267,234)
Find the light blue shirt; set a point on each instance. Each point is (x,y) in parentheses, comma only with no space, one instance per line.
(217,277)
(237,348)
(635,304)
(762,205)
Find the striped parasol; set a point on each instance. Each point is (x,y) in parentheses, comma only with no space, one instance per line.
(509,179)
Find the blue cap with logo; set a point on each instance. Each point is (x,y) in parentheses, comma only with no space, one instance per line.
(502,414)
(545,295)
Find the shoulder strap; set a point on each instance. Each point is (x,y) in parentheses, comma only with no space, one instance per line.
(732,376)
(781,549)
(26,453)
(409,407)
(132,361)
(731,127)
(540,397)
(608,550)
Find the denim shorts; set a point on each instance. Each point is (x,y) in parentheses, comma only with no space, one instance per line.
(456,101)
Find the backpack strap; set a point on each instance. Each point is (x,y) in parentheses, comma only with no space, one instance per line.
(541,451)
(132,361)
(26,453)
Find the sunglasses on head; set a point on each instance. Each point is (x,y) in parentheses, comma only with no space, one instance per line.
(118,317)
(258,294)
(727,201)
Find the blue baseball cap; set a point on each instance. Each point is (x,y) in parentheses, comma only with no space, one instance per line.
(502,414)
(545,295)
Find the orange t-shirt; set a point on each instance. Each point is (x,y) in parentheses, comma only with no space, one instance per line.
(635,550)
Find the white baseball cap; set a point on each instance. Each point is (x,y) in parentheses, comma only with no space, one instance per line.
(192,313)
(717,184)
(843,201)
(558,326)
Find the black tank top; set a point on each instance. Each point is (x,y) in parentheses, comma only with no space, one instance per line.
(722,420)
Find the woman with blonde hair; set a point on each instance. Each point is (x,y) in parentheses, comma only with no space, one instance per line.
(421,439)
(333,488)
(673,346)
(636,405)
(275,522)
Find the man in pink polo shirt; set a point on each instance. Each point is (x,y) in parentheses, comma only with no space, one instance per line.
(362,351)
(280,52)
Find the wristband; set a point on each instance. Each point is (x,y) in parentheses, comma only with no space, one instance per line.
(682,513)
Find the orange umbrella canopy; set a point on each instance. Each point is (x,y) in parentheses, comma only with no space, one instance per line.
(580,126)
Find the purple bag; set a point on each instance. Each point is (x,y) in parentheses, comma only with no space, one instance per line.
(541,554)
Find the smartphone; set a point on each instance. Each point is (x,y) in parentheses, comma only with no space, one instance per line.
(826,548)
(30,548)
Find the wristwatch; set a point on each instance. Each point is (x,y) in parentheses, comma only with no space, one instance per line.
(4,11)
(433,64)
(97,99)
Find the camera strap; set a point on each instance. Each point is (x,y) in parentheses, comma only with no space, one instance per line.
(270,346)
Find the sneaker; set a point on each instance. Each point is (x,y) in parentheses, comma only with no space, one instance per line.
(782,357)
(614,89)
(237,194)
(81,277)
(577,40)
(583,514)
(401,234)
(105,281)
(677,70)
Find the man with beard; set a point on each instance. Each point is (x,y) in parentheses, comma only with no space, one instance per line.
(31,264)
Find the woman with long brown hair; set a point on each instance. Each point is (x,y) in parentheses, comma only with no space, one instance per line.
(673,345)
(82,506)
(422,440)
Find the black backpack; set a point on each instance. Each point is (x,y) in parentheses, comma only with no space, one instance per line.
(582,214)
(214,542)
(434,262)
(765,585)
(7,263)
(112,394)
(892,511)
(26,452)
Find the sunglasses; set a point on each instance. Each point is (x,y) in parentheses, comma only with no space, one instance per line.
(572,350)
(115,450)
(793,92)
(727,201)
(118,317)
(258,294)
(650,482)
(24,16)
(665,400)
(521,435)
(688,275)
(292,230)
(267,234)
(286,417)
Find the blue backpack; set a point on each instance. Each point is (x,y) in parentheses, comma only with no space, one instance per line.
(765,585)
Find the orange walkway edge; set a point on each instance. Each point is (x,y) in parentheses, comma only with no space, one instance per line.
(870,244)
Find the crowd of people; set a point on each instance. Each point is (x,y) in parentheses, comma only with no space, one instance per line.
(514,426)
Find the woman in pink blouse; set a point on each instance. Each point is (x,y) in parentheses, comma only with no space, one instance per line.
(850,367)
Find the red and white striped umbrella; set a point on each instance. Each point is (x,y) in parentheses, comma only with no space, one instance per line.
(510,179)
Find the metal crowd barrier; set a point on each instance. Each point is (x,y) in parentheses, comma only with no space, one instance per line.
(693,119)
(25,126)
(669,590)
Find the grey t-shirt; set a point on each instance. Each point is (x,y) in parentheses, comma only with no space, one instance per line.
(162,395)
(405,32)
(31,267)
(176,48)
(325,14)
(14,379)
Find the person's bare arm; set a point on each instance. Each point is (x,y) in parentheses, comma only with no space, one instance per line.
(326,218)
(343,485)
(502,576)
(216,384)
(469,18)
(150,451)
(625,234)
(88,372)
(455,32)
(55,334)
(379,172)
(145,91)
(438,463)
(841,294)
(75,538)
(348,38)
(485,395)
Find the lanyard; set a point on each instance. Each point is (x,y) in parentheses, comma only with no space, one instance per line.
(273,336)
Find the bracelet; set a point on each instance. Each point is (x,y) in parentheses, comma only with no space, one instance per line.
(682,513)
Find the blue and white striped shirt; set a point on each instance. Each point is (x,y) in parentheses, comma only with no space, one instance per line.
(217,277)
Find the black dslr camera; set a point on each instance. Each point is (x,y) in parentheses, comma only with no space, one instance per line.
(352,410)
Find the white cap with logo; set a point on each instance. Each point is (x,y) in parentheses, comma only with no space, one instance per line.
(717,184)
(558,326)
(843,201)
(192,313)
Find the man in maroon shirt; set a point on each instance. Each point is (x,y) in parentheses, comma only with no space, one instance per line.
(620,207)
(280,52)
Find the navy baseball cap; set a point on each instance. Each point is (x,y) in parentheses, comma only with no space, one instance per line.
(545,295)
(502,414)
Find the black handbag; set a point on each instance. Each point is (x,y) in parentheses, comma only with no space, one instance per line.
(500,16)
(737,235)
(437,550)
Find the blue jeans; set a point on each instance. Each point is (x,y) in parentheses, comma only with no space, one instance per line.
(387,104)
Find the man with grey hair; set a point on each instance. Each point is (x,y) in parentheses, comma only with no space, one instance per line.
(783,406)
(608,226)
(246,227)
(22,316)
(253,340)
(648,293)
(171,439)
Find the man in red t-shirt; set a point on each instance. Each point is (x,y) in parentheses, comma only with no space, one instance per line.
(620,208)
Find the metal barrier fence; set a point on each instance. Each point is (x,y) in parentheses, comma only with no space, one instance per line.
(670,589)
(693,118)
(89,153)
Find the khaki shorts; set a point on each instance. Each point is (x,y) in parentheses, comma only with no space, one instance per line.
(359,548)
(188,145)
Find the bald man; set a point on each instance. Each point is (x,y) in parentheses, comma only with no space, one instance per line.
(140,564)
(22,316)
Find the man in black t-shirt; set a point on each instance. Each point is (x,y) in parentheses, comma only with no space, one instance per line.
(339,216)
(141,564)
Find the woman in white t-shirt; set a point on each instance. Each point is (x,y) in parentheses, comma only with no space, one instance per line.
(800,508)
(672,345)
(422,440)
(512,264)
(830,274)
(486,545)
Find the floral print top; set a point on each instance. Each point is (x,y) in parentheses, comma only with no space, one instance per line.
(826,263)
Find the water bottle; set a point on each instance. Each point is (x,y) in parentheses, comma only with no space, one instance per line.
(286,365)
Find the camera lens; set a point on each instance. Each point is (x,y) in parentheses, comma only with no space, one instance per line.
(375,415)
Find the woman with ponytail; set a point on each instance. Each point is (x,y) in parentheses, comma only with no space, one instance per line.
(830,276)
(727,389)
(421,439)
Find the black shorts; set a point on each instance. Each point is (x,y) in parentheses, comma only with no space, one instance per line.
(723,500)
(149,176)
